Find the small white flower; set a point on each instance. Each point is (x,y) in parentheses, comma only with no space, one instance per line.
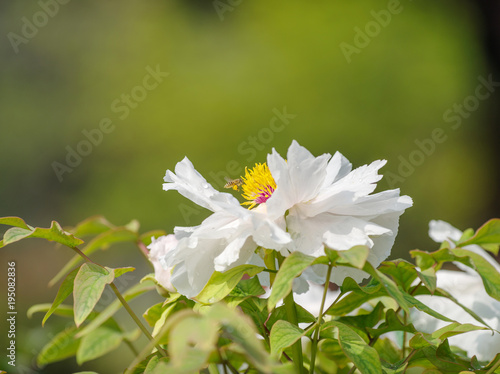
(157,251)
(467,287)
(326,203)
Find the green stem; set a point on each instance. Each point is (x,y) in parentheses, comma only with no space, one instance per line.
(131,346)
(403,349)
(493,368)
(125,305)
(314,345)
(291,314)
(136,319)
(270,261)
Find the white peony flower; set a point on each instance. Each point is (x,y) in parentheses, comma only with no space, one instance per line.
(227,238)
(467,287)
(302,204)
(326,203)
(157,251)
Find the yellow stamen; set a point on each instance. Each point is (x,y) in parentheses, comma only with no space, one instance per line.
(258,185)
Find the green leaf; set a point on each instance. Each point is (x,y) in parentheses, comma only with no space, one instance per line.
(487,234)
(120,271)
(54,233)
(15,221)
(166,311)
(356,349)
(102,241)
(391,323)
(191,342)
(389,352)
(62,310)
(65,290)
(153,314)
(112,308)
(61,346)
(487,272)
(291,268)
(332,255)
(15,234)
(89,284)
(444,359)
(153,363)
(443,293)
(389,285)
(221,284)
(424,260)
(424,308)
(92,226)
(428,277)
(364,319)
(133,226)
(247,288)
(330,348)
(162,367)
(466,235)
(356,256)
(279,313)
(453,329)
(239,328)
(98,343)
(284,335)
(421,340)
(255,308)
(359,296)
(401,271)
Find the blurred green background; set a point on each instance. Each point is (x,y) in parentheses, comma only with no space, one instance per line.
(232,66)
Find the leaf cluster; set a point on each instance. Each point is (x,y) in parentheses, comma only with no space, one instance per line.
(234,326)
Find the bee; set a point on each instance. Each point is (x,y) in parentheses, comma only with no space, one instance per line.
(233,183)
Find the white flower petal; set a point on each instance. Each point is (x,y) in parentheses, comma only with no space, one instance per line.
(157,251)
(298,179)
(440,231)
(328,204)
(191,184)
(233,252)
(338,167)
(468,289)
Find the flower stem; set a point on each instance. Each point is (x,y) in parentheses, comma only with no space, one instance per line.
(136,319)
(493,368)
(270,261)
(291,314)
(314,345)
(125,305)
